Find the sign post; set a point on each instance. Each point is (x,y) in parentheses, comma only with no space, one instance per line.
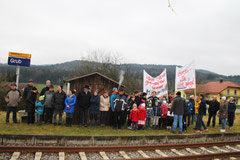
(19,59)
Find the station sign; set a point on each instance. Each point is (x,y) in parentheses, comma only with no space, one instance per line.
(19,59)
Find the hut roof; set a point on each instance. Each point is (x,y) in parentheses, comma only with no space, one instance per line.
(90,74)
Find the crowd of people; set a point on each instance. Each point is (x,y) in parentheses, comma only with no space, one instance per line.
(137,111)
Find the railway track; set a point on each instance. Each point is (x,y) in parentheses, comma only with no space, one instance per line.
(219,150)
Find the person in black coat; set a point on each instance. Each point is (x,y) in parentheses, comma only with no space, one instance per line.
(137,97)
(45,89)
(58,104)
(28,88)
(192,100)
(214,106)
(231,112)
(83,101)
(30,105)
(153,98)
(94,107)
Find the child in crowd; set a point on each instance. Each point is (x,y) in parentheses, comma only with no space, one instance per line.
(149,111)
(40,108)
(131,102)
(134,114)
(163,119)
(157,114)
(142,116)
(169,117)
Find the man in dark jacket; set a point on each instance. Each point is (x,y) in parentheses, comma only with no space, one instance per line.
(153,98)
(58,104)
(45,89)
(178,107)
(30,105)
(120,103)
(28,88)
(202,112)
(12,99)
(48,105)
(83,101)
(214,106)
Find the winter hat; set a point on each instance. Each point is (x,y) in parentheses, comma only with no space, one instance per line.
(178,93)
(13,84)
(96,90)
(144,94)
(114,89)
(164,102)
(150,102)
(41,98)
(86,86)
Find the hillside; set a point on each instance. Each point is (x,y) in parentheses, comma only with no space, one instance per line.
(57,72)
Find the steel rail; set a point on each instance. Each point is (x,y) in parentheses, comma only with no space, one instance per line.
(110,148)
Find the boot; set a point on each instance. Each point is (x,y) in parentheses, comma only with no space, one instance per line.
(67,122)
(70,122)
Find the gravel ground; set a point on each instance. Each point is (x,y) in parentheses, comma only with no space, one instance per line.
(94,156)
(169,153)
(213,150)
(183,151)
(134,155)
(50,156)
(199,151)
(227,149)
(72,156)
(28,156)
(152,154)
(114,155)
(4,156)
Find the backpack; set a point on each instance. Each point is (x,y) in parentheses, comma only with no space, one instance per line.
(119,105)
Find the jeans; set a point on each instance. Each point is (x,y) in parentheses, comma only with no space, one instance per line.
(59,113)
(230,118)
(223,121)
(189,119)
(118,119)
(200,122)
(103,115)
(210,116)
(178,119)
(83,116)
(48,115)
(39,118)
(14,110)
(155,120)
(148,123)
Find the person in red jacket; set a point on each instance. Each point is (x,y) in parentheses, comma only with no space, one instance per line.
(163,120)
(134,114)
(142,116)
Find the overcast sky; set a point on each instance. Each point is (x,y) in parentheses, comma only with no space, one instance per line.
(142,31)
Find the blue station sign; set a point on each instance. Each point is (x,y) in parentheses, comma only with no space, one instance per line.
(19,59)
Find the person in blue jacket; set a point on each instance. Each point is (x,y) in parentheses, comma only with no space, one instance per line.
(40,108)
(69,109)
(112,98)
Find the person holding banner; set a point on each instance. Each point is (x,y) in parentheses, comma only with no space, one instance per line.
(178,110)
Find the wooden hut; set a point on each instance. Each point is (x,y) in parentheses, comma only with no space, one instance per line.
(95,81)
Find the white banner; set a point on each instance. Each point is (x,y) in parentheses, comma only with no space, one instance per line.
(185,77)
(158,84)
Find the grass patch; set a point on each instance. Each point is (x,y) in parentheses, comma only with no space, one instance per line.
(92,131)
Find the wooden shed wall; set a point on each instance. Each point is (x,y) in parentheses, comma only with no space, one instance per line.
(95,82)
